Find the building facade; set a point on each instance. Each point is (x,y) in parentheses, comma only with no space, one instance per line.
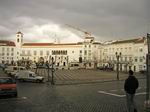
(7,51)
(87,54)
(131,54)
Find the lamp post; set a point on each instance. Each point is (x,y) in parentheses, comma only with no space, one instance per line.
(47,64)
(52,82)
(118,55)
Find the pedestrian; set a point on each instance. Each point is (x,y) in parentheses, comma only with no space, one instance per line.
(130,86)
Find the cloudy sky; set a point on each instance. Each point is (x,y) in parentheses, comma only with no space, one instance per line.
(47,20)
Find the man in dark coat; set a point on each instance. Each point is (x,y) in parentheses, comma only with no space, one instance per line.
(130,86)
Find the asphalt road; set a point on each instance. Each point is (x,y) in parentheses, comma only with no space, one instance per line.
(101,97)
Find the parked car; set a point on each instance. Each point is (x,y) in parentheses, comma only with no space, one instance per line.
(10,69)
(19,68)
(8,86)
(105,68)
(143,71)
(100,68)
(33,66)
(28,76)
(3,66)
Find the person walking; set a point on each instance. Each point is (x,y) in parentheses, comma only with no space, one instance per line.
(130,86)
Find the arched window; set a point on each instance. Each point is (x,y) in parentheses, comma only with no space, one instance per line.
(17,40)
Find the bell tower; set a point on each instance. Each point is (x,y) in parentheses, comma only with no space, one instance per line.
(19,42)
(19,39)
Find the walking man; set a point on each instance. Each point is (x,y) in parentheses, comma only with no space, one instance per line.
(130,86)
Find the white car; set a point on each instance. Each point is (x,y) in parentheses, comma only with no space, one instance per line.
(33,66)
(28,76)
(13,69)
(19,68)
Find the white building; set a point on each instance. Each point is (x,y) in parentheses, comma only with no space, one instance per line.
(132,54)
(7,51)
(87,54)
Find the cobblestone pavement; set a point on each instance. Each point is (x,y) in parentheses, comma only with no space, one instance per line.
(83,76)
(96,97)
(35,97)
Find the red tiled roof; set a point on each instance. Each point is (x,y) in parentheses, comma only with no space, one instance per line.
(137,40)
(37,44)
(48,44)
(6,43)
(141,40)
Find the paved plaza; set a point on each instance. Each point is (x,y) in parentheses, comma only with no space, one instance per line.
(35,97)
(80,76)
(107,96)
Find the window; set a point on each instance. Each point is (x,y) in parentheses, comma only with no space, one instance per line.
(140,67)
(12,49)
(47,52)
(28,52)
(89,64)
(72,51)
(89,46)
(80,51)
(35,53)
(121,59)
(85,52)
(58,52)
(7,49)
(135,60)
(18,39)
(41,52)
(3,49)
(85,46)
(141,59)
(23,52)
(141,50)
(130,58)
(3,54)
(125,59)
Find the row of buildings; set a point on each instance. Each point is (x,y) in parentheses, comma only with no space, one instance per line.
(88,54)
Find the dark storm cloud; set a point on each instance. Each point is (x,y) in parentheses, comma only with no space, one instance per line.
(104,18)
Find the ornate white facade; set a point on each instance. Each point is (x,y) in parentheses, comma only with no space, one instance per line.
(84,53)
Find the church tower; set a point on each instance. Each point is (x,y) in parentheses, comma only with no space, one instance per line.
(19,42)
(19,39)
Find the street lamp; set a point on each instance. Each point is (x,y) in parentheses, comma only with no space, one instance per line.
(52,82)
(118,55)
(47,64)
